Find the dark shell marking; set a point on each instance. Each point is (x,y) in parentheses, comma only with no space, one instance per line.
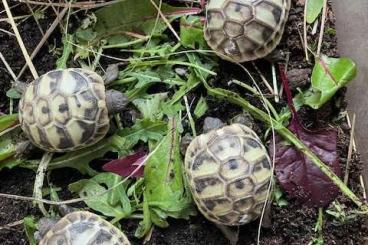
(67,107)
(83,228)
(243,30)
(228,171)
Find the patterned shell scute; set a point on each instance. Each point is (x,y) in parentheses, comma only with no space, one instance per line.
(64,110)
(229,173)
(244,30)
(84,228)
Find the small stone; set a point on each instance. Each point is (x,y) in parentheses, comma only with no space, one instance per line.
(298,77)
(244,118)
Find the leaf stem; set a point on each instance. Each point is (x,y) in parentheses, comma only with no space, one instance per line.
(287,135)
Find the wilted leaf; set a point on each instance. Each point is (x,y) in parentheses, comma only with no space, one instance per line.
(201,107)
(329,75)
(129,16)
(127,165)
(314,8)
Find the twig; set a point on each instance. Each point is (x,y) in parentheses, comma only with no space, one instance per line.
(350,151)
(34,17)
(264,80)
(83,5)
(321,32)
(191,121)
(43,40)
(349,124)
(165,20)
(7,66)
(40,176)
(363,187)
(274,82)
(9,226)
(19,38)
(9,69)
(7,32)
(305,31)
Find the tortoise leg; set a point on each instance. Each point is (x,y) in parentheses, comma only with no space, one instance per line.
(230,234)
(25,148)
(112,73)
(19,86)
(44,225)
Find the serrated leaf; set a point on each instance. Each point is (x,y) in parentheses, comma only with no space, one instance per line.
(201,108)
(110,203)
(144,130)
(328,76)
(150,106)
(163,178)
(79,159)
(314,8)
(191,32)
(68,41)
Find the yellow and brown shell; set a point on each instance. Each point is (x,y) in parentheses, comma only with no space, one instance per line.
(83,227)
(229,174)
(244,30)
(64,110)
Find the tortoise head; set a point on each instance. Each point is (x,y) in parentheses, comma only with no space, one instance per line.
(115,101)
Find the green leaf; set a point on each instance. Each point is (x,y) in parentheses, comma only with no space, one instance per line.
(112,203)
(163,178)
(7,121)
(192,83)
(68,41)
(314,8)
(329,75)
(79,159)
(144,130)
(201,107)
(150,106)
(13,94)
(191,32)
(30,227)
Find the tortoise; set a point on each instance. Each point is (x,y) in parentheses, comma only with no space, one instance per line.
(229,172)
(245,30)
(68,109)
(82,228)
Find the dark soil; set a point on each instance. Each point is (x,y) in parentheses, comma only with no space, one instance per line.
(293,224)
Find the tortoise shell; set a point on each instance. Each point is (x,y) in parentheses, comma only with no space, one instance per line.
(64,110)
(228,172)
(244,30)
(82,228)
